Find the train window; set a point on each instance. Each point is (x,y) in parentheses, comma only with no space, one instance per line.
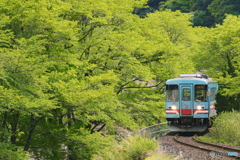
(201,93)
(212,94)
(186,94)
(172,93)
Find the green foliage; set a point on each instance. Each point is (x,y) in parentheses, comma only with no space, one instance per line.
(170,4)
(219,9)
(201,5)
(206,12)
(160,155)
(133,147)
(137,147)
(150,7)
(9,151)
(154,3)
(70,70)
(225,129)
(226,103)
(202,18)
(217,51)
(184,5)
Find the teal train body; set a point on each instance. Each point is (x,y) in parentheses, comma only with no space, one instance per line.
(190,102)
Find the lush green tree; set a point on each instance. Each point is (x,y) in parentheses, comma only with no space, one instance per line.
(218,45)
(219,9)
(183,5)
(201,5)
(217,50)
(202,18)
(70,70)
(150,7)
(206,12)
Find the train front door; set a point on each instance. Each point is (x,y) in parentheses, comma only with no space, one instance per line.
(186,103)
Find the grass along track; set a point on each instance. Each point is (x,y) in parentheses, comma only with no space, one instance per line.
(209,147)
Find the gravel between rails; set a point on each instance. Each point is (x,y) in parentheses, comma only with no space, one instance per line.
(169,145)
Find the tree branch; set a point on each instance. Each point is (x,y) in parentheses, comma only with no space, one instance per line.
(161,88)
(88,32)
(41,135)
(84,52)
(49,149)
(95,127)
(152,60)
(146,86)
(101,128)
(122,86)
(66,139)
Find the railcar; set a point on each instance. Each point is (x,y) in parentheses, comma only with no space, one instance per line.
(190,100)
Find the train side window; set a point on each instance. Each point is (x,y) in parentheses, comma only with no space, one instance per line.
(201,93)
(212,94)
(186,94)
(172,93)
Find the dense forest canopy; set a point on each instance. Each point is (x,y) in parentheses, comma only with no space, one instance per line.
(205,12)
(73,70)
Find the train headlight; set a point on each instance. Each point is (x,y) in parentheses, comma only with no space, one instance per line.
(200,107)
(173,107)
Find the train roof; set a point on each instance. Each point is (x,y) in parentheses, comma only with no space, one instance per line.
(191,78)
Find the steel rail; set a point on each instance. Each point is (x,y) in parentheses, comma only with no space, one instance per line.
(216,145)
(157,128)
(152,126)
(205,149)
(164,130)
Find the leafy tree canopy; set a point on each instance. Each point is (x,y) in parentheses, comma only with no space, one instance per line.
(219,9)
(217,50)
(70,71)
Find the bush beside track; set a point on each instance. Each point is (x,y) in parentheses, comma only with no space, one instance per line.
(226,129)
(134,147)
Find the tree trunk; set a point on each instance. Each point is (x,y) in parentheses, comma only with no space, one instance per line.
(70,147)
(14,128)
(32,128)
(239,105)
(4,125)
(60,121)
(73,116)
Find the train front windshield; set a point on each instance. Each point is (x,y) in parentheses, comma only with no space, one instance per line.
(172,93)
(201,93)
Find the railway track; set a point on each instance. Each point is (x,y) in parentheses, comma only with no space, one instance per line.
(188,146)
(213,149)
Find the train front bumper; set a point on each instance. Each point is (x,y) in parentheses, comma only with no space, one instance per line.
(187,128)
